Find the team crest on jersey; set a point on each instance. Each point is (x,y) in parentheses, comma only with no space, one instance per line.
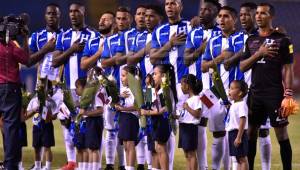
(182,30)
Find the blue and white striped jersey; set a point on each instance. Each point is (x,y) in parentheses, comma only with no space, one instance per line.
(36,42)
(235,44)
(214,48)
(92,46)
(126,40)
(65,40)
(194,41)
(140,42)
(110,47)
(176,55)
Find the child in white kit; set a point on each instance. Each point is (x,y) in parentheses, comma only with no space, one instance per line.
(237,123)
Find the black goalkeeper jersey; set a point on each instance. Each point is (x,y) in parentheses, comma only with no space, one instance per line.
(267,72)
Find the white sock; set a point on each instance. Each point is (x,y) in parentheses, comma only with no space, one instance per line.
(155,169)
(171,149)
(121,153)
(201,149)
(140,152)
(217,150)
(80,165)
(90,165)
(70,149)
(48,164)
(100,152)
(226,157)
(234,163)
(149,167)
(37,164)
(265,152)
(129,167)
(110,147)
(20,165)
(95,166)
(85,165)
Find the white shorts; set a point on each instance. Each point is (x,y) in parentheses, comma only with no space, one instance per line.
(108,118)
(216,117)
(267,125)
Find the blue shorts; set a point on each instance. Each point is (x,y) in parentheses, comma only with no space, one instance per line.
(23,134)
(161,129)
(188,137)
(43,135)
(242,149)
(128,127)
(93,135)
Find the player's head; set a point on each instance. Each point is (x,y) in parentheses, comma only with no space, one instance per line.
(238,90)
(162,70)
(139,17)
(106,22)
(77,14)
(247,15)
(80,84)
(173,8)
(264,14)
(52,15)
(123,18)
(190,84)
(209,11)
(153,17)
(227,18)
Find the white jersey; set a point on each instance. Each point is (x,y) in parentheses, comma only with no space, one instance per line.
(236,111)
(186,117)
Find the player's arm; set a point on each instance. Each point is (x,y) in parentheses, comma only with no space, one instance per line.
(121,59)
(288,71)
(190,55)
(138,56)
(263,51)
(154,111)
(157,54)
(231,59)
(89,61)
(60,57)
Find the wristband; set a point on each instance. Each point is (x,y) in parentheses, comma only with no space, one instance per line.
(288,93)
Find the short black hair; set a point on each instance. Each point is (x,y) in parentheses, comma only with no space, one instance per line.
(156,8)
(141,6)
(243,87)
(231,10)
(214,3)
(81,82)
(77,3)
(53,4)
(250,5)
(271,7)
(109,12)
(123,9)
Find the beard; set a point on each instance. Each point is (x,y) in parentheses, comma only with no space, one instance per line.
(105,30)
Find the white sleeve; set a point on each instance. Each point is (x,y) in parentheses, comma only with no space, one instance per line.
(243,109)
(196,103)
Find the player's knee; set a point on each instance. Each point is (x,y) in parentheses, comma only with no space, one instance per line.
(264,133)
(281,133)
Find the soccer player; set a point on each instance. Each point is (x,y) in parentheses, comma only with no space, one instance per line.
(268,53)
(195,45)
(168,44)
(140,55)
(227,18)
(232,59)
(68,52)
(42,44)
(107,60)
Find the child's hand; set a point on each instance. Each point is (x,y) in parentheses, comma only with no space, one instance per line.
(125,94)
(144,112)
(185,105)
(118,107)
(237,142)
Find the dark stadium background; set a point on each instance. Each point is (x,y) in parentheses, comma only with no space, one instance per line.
(287,16)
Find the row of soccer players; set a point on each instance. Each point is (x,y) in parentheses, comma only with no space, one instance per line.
(188,50)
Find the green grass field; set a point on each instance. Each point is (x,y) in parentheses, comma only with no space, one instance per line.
(60,157)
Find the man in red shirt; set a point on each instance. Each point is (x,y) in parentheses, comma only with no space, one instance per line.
(10,94)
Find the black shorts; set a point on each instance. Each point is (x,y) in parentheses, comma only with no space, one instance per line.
(43,135)
(161,129)
(188,137)
(261,107)
(242,149)
(94,129)
(23,134)
(128,127)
